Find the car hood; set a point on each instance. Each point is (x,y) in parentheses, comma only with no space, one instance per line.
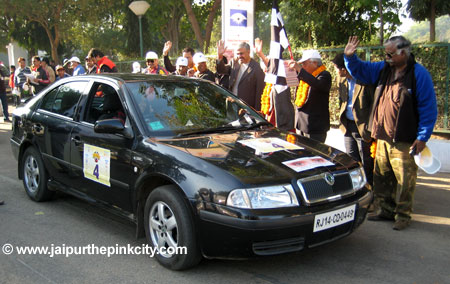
(263,156)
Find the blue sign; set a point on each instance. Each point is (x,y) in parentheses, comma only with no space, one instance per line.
(238,18)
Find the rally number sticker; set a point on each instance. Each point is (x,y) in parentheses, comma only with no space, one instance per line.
(96,164)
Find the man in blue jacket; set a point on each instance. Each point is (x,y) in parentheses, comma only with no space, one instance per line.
(402,120)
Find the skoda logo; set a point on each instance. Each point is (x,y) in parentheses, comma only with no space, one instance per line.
(329,178)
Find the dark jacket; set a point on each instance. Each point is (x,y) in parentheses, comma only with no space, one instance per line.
(362,103)
(207,75)
(251,84)
(314,116)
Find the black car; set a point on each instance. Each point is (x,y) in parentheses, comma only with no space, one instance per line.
(189,163)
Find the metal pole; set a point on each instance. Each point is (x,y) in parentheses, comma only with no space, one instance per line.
(140,36)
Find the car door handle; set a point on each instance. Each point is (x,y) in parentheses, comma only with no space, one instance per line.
(37,129)
(76,140)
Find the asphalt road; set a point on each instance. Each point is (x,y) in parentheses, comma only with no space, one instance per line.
(373,254)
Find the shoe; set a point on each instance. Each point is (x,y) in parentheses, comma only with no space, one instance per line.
(6,120)
(374,216)
(400,224)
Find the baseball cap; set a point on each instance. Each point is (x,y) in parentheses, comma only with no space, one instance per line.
(151,55)
(427,162)
(199,57)
(76,59)
(182,61)
(309,54)
(59,67)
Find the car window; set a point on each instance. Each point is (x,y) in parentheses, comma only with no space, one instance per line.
(175,107)
(103,103)
(64,99)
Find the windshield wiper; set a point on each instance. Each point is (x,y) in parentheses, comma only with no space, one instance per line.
(258,124)
(209,130)
(224,128)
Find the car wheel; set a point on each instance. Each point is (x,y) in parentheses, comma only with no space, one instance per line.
(35,176)
(169,225)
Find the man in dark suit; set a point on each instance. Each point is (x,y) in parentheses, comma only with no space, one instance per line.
(246,76)
(312,96)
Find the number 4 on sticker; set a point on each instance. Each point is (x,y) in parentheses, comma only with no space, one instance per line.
(95,173)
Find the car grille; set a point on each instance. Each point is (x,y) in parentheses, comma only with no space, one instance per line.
(279,246)
(316,189)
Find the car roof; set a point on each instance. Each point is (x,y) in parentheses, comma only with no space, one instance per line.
(129,77)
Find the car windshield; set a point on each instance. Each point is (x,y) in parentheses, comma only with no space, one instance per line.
(189,107)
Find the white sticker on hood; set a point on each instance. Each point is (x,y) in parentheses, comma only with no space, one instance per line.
(269,145)
(307,163)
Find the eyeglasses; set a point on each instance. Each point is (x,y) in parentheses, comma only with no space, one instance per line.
(240,53)
(390,55)
(150,60)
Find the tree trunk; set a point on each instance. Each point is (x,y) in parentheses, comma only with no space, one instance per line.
(194,23)
(433,21)
(209,24)
(380,9)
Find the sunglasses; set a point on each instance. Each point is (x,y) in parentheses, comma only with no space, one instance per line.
(390,55)
(150,60)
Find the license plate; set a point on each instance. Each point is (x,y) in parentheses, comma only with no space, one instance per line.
(334,218)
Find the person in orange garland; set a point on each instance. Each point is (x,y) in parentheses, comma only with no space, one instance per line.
(312,96)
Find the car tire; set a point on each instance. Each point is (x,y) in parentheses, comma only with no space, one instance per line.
(35,176)
(169,223)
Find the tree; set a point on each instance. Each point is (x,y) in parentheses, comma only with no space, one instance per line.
(56,17)
(421,10)
(326,22)
(211,10)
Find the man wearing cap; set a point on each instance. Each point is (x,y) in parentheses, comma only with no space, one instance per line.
(246,76)
(312,96)
(152,64)
(202,69)
(182,67)
(402,120)
(104,64)
(78,69)
(61,72)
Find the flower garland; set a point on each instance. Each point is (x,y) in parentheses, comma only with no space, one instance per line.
(265,98)
(373,149)
(303,88)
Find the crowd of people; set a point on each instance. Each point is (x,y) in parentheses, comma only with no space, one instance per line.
(390,104)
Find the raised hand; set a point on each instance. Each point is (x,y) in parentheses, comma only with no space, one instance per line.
(167,47)
(351,46)
(258,46)
(221,48)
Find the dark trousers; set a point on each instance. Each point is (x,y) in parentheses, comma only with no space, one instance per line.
(321,137)
(4,100)
(356,147)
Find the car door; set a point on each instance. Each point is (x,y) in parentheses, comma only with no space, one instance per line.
(101,162)
(52,124)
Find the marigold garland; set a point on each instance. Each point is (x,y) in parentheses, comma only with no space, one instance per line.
(303,88)
(265,98)
(373,149)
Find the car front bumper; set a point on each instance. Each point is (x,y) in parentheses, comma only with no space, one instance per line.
(227,236)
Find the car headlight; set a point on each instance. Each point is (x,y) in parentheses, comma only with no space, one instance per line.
(263,197)
(358,177)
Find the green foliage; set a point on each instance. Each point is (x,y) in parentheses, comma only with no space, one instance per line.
(420,32)
(319,23)
(420,10)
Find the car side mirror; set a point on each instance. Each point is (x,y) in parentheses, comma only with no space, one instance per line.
(111,126)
